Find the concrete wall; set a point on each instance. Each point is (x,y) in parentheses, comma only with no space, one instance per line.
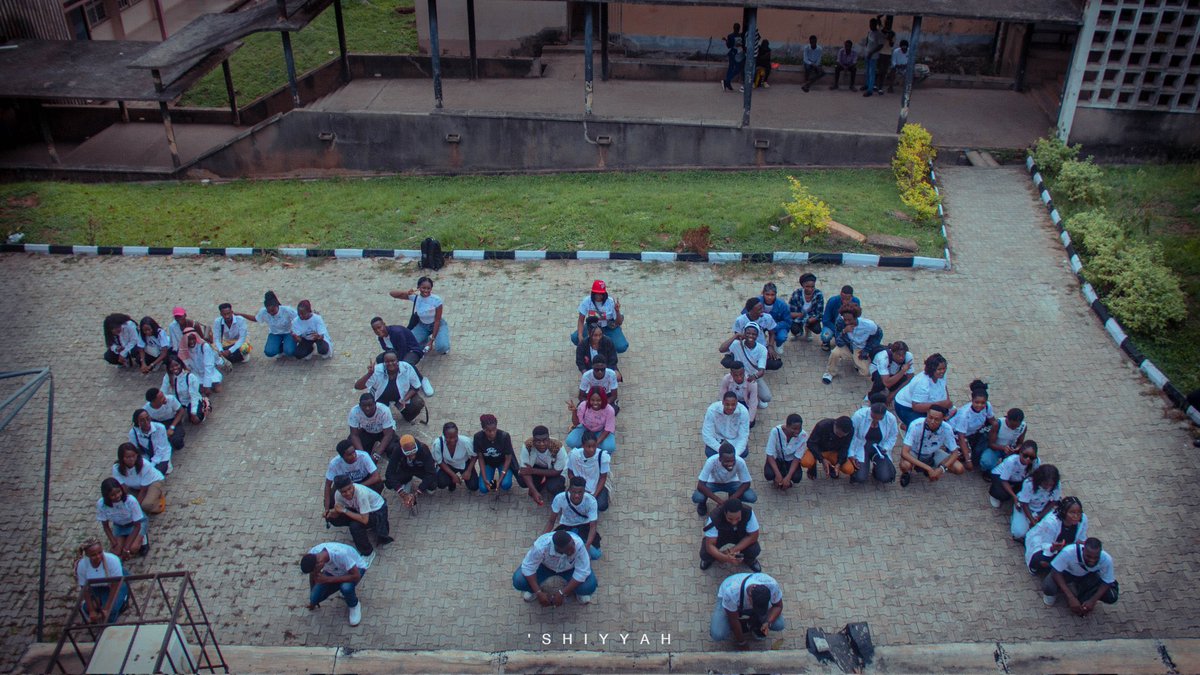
(1140,133)
(500,25)
(397,143)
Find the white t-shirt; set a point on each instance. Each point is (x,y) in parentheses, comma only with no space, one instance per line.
(755,359)
(766,322)
(372,425)
(588,380)
(156,442)
(924,443)
(365,500)
(1012,470)
(899,57)
(135,480)
(921,389)
(278,324)
(313,324)
(121,513)
(1006,435)
(1070,561)
(710,530)
(1037,498)
(362,467)
(783,449)
(1042,535)
(427,308)
(542,553)
(543,459)
(607,311)
(341,559)
(735,596)
(884,365)
(464,451)
(590,469)
(166,413)
(715,472)
(569,514)
(110,566)
(155,344)
(968,422)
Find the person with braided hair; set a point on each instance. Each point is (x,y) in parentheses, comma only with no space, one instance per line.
(1065,525)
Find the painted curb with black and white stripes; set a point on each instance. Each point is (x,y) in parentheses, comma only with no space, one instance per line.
(777,257)
(1111,325)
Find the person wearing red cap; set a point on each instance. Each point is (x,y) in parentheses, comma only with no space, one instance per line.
(607,310)
(182,323)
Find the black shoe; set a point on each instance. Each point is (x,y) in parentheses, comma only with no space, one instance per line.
(804,88)
(705,564)
(812,473)
(702,508)
(867,95)
(905,478)
(384,541)
(754,565)
(833,88)
(826,348)
(144,550)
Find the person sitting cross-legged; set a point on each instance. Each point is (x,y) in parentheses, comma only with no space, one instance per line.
(334,568)
(1083,573)
(731,524)
(726,421)
(561,554)
(577,511)
(542,465)
(409,460)
(929,447)
(748,603)
(723,472)
(786,445)
(362,510)
(829,445)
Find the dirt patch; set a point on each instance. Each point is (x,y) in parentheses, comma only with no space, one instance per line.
(29,201)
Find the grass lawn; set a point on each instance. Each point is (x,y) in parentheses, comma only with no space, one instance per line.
(1162,204)
(372,27)
(611,211)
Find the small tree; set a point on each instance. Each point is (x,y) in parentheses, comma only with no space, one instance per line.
(807,211)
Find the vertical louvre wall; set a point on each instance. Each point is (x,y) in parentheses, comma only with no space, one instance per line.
(33,19)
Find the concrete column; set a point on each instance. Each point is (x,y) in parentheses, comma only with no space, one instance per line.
(1070,97)
(913,39)
(751,25)
(435,56)
(290,61)
(471,39)
(587,58)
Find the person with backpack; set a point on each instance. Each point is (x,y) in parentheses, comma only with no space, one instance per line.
(748,604)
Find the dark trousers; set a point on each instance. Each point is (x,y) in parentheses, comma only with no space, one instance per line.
(135,357)
(749,554)
(997,489)
(369,440)
(445,482)
(769,473)
(1083,587)
(877,465)
(236,356)
(735,67)
(304,347)
(837,74)
(582,531)
(177,437)
(411,358)
(1039,564)
(377,522)
(404,475)
(602,500)
(549,486)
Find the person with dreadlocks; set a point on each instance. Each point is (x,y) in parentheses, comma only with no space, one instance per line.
(1063,526)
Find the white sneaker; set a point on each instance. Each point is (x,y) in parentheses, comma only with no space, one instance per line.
(827,378)
(367,560)
(762,405)
(1049,599)
(528,596)
(356,614)
(583,599)
(426,386)
(994,502)
(170,467)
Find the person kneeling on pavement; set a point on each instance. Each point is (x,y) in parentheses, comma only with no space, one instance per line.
(556,554)
(362,510)
(577,511)
(410,459)
(1083,573)
(749,603)
(731,524)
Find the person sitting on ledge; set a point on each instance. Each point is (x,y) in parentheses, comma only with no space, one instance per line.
(607,311)
(556,554)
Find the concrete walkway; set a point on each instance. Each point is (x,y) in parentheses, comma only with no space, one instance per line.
(924,565)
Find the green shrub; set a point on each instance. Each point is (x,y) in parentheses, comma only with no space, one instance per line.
(1081,182)
(1140,291)
(1093,232)
(914,153)
(1049,153)
(807,211)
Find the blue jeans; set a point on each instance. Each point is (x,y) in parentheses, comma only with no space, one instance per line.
(781,333)
(278,343)
(575,440)
(543,573)
(734,70)
(612,333)
(906,414)
(872,67)
(748,497)
(441,344)
(100,596)
(321,591)
(827,336)
(990,459)
(126,530)
(490,475)
(719,630)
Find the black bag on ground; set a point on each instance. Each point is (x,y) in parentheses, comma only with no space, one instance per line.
(431,254)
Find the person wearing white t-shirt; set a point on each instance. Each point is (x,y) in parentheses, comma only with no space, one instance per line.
(891,369)
(278,318)
(971,425)
(151,440)
(542,466)
(603,377)
(125,525)
(755,312)
(1004,439)
(1038,496)
(310,333)
(1062,527)
(876,431)
(1084,574)
(726,421)
(929,447)
(102,601)
(607,311)
(748,604)
(1008,476)
(351,462)
(229,334)
(731,524)
(786,445)
(361,509)
(556,554)
(746,348)
(925,390)
(899,65)
(723,472)
(394,382)
(593,465)
(576,511)
(372,427)
(431,329)
(140,478)
(334,568)
(168,411)
(455,455)
(746,391)
(157,341)
(185,387)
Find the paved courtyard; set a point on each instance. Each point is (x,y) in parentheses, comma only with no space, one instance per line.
(926,564)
